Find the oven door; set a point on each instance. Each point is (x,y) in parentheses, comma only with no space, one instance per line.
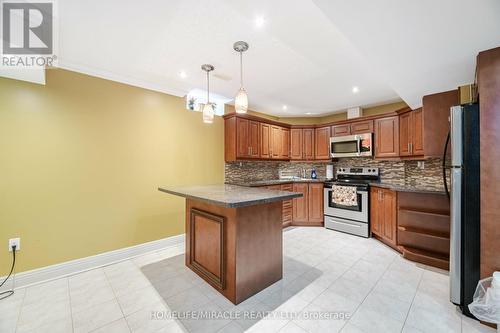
(357,213)
(351,145)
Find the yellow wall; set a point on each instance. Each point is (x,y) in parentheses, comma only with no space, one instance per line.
(391,107)
(80,162)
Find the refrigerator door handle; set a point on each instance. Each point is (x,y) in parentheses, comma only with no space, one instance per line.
(456,236)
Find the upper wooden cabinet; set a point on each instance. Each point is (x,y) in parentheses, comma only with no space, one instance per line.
(434,119)
(285,143)
(361,127)
(322,143)
(357,127)
(276,140)
(296,143)
(341,130)
(246,139)
(302,143)
(387,137)
(411,133)
(265,139)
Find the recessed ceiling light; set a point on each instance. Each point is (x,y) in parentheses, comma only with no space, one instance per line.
(183,74)
(285,107)
(355,90)
(259,21)
(308,113)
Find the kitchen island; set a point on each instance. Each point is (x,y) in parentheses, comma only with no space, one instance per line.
(234,236)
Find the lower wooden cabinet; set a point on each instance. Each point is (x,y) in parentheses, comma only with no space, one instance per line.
(383,215)
(309,208)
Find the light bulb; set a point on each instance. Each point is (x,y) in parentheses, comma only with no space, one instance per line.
(241,101)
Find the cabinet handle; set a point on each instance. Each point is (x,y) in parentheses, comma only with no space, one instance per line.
(411,148)
(408,148)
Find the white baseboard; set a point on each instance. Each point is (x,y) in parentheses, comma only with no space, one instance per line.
(72,267)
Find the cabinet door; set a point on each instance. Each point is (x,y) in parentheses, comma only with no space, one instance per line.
(300,213)
(389,222)
(315,207)
(362,127)
(275,142)
(265,136)
(253,138)
(340,130)
(375,212)
(418,132)
(387,137)
(285,143)
(296,144)
(322,143)
(405,133)
(243,148)
(308,148)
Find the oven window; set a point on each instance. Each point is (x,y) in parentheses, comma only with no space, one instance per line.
(345,147)
(351,208)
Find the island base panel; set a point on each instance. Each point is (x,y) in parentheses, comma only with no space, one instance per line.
(238,251)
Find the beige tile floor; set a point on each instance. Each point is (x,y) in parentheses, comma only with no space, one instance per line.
(324,271)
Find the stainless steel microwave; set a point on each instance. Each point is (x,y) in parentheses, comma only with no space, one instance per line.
(352,145)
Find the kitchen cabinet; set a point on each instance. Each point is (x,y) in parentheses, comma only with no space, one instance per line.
(322,143)
(315,204)
(424,228)
(383,215)
(411,133)
(341,130)
(357,127)
(285,143)
(296,144)
(387,137)
(309,208)
(247,138)
(300,205)
(243,148)
(302,144)
(265,139)
(308,150)
(362,127)
(434,122)
(276,139)
(253,138)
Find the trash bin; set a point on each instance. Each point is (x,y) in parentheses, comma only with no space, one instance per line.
(486,301)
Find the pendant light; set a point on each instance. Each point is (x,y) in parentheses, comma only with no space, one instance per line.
(208,109)
(241,99)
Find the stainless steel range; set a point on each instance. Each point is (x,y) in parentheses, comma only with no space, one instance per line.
(346,200)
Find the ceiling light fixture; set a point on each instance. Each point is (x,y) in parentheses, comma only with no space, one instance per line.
(183,74)
(259,21)
(355,90)
(208,109)
(241,99)
(285,107)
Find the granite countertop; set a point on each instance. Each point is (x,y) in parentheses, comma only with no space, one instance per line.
(256,183)
(401,187)
(230,196)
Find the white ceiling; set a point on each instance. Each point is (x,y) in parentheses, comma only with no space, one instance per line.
(307,55)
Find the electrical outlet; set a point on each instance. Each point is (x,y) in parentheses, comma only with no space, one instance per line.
(421,165)
(14,242)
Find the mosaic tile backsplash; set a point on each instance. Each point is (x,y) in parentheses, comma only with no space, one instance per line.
(400,172)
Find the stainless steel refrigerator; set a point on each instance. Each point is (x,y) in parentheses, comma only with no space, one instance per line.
(464,204)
